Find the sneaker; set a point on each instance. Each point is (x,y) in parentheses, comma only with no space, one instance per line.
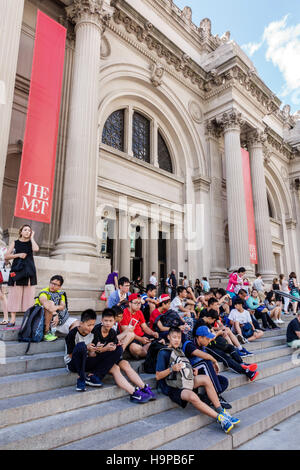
(149,392)
(139,397)
(252,375)
(49,337)
(243,352)
(224,403)
(251,367)
(80,387)
(232,418)
(241,339)
(280,321)
(93,381)
(225,422)
(246,352)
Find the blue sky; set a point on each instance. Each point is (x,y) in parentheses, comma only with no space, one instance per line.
(268,31)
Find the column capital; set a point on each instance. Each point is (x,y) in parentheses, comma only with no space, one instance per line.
(230,120)
(97,12)
(256,138)
(212,129)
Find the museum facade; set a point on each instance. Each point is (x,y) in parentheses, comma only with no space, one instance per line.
(149,177)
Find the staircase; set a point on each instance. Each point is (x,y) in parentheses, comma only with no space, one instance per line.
(40,409)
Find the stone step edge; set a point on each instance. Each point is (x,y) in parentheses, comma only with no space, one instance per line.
(196,421)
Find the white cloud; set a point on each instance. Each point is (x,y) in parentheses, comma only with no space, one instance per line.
(252,47)
(283,50)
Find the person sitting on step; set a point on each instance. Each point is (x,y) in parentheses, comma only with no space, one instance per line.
(54,301)
(178,380)
(107,337)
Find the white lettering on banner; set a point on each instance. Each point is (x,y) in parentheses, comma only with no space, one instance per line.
(39,194)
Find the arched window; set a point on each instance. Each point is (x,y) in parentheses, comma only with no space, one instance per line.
(141,137)
(113,130)
(164,159)
(270,208)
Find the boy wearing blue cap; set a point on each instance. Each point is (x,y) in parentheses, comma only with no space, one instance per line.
(177,380)
(204,362)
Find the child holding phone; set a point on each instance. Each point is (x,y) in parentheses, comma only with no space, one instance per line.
(107,340)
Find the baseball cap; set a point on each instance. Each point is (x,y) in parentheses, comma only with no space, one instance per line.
(164,298)
(204,331)
(133,297)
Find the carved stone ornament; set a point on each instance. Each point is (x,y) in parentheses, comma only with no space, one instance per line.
(195,111)
(256,137)
(186,14)
(91,11)
(157,74)
(205,29)
(267,155)
(231,120)
(105,48)
(286,112)
(212,129)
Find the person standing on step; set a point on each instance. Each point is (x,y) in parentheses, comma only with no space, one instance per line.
(5,267)
(294,290)
(23,279)
(111,284)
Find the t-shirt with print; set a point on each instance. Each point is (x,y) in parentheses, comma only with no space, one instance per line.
(127,316)
(74,337)
(241,317)
(293,326)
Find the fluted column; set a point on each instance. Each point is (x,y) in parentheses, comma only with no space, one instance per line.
(153,247)
(261,213)
(124,237)
(10,30)
(78,219)
(236,203)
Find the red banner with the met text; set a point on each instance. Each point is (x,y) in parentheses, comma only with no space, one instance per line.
(36,178)
(249,206)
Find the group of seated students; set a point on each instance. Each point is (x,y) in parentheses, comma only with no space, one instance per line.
(193,334)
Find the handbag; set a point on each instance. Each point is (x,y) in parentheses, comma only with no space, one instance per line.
(18,270)
(4,274)
(247,330)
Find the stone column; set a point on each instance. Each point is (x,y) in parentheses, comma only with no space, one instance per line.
(261,213)
(236,205)
(124,244)
(10,27)
(153,247)
(78,219)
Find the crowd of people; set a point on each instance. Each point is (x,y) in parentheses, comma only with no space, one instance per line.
(181,332)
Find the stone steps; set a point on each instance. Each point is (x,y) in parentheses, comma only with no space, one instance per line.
(40,409)
(254,421)
(170,426)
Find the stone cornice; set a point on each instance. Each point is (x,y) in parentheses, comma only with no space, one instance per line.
(201,183)
(277,143)
(184,69)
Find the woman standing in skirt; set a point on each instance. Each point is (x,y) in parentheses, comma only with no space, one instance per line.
(23,273)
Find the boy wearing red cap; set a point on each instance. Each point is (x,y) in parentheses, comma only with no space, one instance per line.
(133,316)
(163,307)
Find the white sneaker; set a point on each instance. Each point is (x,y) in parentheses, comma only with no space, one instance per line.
(280,321)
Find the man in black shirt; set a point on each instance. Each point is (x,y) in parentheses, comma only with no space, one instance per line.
(107,340)
(293,332)
(81,354)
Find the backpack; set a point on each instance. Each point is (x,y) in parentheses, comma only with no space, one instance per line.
(247,330)
(32,328)
(151,358)
(185,377)
(168,319)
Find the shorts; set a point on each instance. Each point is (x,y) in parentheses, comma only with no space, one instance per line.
(65,328)
(175,395)
(109,289)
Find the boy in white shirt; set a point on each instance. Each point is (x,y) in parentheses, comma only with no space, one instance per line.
(242,325)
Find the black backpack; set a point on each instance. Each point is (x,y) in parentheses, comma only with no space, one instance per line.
(32,328)
(151,358)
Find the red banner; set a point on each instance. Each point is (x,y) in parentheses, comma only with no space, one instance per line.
(249,206)
(36,178)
